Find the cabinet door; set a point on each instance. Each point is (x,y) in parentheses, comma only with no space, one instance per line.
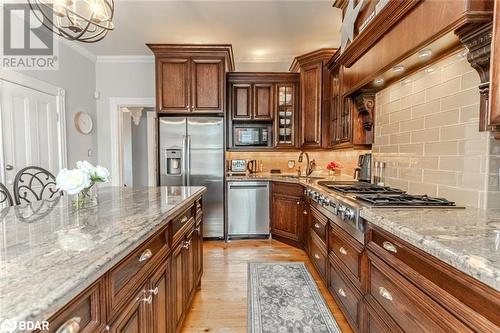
(160,286)
(287,215)
(241,101)
(311,78)
(494,107)
(198,252)
(177,284)
(207,85)
(189,267)
(173,91)
(263,101)
(285,115)
(133,319)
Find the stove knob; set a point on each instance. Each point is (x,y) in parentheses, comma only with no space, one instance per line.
(321,199)
(340,210)
(349,214)
(326,202)
(315,195)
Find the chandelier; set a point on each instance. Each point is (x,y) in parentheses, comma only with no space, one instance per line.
(86,21)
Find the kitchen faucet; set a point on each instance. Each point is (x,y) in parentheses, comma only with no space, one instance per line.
(309,165)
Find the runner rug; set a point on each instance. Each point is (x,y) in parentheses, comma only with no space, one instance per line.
(283,298)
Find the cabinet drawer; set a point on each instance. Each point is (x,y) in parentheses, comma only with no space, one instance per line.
(410,308)
(86,311)
(318,224)
(345,293)
(292,190)
(180,221)
(133,269)
(318,254)
(348,253)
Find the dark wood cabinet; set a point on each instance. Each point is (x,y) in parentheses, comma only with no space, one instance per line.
(494,107)
(191,78)
(341,113)
(241,101)
(266,98)
(160,288)
(287,213)
(177,283)
(134,317)
(207,85)
(315,100)
(198,252)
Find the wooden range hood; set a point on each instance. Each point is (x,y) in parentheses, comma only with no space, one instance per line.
(393,32)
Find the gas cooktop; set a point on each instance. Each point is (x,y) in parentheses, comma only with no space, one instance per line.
(383,196)
(403,199)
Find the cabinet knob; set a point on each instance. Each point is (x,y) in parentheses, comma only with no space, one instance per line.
(145,255)
(184,219)
(187,244)
(317,226)
(385,293)
(316,256)
(298,202)
(343,250)
(389,247)
(70,326)
(9,167)
(197,229)
(305,212)
(342,292)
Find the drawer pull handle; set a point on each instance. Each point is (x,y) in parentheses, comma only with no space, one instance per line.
(343,251)
(154,291)
(70,326)
(342,292)
(145,255)
(385,293)
(198,205)
(184,219)
(316,256)
(145,299)
(197,229)
(187,244)
(317,226)
(389,247)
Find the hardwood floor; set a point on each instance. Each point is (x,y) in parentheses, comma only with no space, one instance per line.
(221,304)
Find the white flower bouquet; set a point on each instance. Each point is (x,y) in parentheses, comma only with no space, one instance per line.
(80,182)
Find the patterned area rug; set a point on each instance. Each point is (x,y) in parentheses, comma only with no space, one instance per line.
(283,298)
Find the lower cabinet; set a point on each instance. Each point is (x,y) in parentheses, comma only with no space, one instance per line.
(149,291)
(287,211)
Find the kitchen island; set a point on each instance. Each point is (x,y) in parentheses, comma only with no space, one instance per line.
(50,254)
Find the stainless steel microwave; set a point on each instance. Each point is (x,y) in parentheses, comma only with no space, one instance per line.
(252,135)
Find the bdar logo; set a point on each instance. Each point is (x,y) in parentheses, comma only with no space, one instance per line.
(8,326)
(24,34)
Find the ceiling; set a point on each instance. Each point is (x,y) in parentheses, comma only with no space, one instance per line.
(265,34)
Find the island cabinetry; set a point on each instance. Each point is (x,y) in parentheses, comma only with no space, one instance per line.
(287,211)
(87,312)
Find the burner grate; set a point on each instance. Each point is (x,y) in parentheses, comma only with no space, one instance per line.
(404,199)
(357,189)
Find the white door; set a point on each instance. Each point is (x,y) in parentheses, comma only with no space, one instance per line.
(31,131)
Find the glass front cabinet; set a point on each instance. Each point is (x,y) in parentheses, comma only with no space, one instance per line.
(286,115)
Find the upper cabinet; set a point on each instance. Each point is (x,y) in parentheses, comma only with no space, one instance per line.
(191,78)
(315,97)
(269,99)
(494,108)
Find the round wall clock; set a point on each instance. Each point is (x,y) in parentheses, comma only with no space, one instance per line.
(83,123)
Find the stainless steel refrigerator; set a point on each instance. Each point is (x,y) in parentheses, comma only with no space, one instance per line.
(192,154)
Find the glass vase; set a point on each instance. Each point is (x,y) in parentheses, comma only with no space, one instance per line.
(87,198)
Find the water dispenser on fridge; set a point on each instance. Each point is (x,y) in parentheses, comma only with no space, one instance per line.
(173,162)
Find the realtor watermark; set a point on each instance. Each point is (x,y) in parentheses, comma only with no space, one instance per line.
(10,326)
(27,42)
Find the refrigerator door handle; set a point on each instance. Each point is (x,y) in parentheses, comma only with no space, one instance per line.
(184,160)
(188,160)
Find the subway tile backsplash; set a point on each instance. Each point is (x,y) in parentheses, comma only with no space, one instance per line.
(426,130)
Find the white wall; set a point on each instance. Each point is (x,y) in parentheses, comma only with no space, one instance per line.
(76,74)
(119,79)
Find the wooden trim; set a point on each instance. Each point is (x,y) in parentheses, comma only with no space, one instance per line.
(383,22)
(225,50)
(262,77)
(324,54)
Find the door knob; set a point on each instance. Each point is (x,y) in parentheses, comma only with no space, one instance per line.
(9,167)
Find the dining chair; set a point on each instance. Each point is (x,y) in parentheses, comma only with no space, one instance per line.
(34,183)
(5,197)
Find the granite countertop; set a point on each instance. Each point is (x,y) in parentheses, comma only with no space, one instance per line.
(49,253)
(467,239)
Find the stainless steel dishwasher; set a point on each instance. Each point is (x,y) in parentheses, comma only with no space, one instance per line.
(248,209)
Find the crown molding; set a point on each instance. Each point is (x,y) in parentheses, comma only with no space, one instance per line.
(126,59)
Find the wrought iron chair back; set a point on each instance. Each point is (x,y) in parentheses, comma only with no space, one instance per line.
(33,184)
(5,197)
